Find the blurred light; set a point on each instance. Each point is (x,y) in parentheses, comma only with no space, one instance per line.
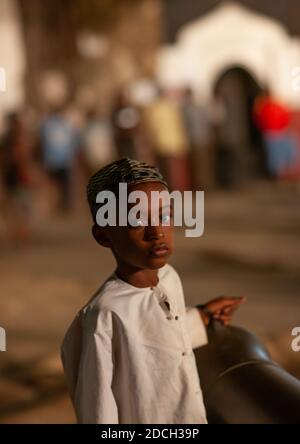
(127,118)
(143,92)
(54,87)
(91,45)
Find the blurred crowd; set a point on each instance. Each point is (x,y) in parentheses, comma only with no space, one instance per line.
(46,160)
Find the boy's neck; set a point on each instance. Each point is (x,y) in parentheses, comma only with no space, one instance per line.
(137,277)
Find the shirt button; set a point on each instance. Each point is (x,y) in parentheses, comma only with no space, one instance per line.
(184,353)
(176,317)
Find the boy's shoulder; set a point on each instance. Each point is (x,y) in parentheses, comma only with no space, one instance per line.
(169,270)
(102,298)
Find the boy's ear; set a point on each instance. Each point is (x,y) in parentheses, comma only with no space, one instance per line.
(100,236)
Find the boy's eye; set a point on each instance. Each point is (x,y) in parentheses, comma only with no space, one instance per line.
(135,223)
(166,218)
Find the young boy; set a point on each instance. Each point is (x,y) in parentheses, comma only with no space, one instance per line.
(128,355)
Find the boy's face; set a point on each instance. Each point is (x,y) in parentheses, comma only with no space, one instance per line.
(143,246)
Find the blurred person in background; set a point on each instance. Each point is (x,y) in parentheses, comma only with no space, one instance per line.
(224,123)
(142,92)
(294,172)
(59,144)
(168,134)
(98,148)
(126,121)
(273,119)
(17,170)
(198,128)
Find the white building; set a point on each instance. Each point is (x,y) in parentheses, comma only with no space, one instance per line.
(232,35)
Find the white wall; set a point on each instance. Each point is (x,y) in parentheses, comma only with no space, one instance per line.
(12,57)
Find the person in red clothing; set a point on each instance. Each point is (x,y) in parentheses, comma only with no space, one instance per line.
(273,119)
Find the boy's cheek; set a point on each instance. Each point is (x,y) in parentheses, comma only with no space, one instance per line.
(170,237)
(171,250)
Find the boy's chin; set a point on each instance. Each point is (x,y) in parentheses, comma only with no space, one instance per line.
(156,263)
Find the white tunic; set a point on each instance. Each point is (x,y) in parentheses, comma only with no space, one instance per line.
(128,355)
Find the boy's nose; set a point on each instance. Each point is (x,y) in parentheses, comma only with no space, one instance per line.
(155,232)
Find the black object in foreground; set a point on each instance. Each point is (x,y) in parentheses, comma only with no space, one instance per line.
(240,382)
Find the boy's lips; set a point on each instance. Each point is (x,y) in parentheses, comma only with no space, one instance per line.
(159,250)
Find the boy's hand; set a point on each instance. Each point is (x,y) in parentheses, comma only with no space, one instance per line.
(221,309)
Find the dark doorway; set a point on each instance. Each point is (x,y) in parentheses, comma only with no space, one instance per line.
(240,152)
